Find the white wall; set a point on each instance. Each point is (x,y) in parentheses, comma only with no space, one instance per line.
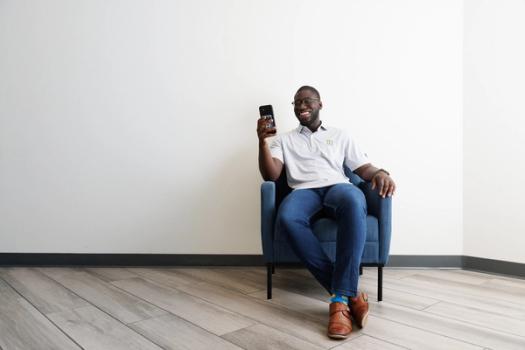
(129,126)
(494,129)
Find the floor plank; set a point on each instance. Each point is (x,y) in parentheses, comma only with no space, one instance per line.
(453,275)
(227,278)
(468,289)
(174,333)
(412,337)
(448,327)
(110,274)
(516,287)
(43,292)
(470,272)
(366,342)
(479,317)
(23,327)
(209,316)
(261,337)
(393,272)
(165,274)
(455,295)
(94,329)
(123,306)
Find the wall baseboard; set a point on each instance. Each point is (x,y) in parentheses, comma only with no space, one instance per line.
(494,266)
(425,261)
(64,259)
(68,259)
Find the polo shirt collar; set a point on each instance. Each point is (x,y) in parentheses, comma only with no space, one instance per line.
(304,130)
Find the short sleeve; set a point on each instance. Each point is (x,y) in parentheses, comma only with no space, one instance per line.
(354,156)
(276,149)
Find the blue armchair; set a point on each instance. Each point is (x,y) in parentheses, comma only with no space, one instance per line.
(275,246)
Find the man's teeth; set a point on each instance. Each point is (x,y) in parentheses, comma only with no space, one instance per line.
(305,113)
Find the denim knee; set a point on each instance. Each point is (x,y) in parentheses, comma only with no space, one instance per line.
(355,199)
(346,197)
(288,220)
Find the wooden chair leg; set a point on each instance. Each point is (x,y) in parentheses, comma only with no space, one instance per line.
(379,283)
(269,269)
(273,269)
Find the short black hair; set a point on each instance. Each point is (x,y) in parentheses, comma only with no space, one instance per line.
(311,88)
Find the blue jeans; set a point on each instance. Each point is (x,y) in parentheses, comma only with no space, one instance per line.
(347,204)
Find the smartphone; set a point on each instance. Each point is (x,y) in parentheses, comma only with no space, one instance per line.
(266,112)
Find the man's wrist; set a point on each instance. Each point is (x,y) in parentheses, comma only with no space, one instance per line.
(380,171)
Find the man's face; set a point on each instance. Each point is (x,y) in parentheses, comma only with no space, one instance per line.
(306,108)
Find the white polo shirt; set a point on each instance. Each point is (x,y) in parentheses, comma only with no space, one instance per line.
(315,159)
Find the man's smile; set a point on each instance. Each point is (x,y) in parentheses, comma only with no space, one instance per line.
(305,114)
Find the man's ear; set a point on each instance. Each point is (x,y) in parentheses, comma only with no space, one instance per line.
(320,105)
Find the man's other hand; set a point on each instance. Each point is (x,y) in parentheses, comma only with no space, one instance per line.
(384,184)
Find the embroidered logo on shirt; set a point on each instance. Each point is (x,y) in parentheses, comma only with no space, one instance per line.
(329,142)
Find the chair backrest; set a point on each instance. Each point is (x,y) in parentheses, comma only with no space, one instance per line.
(282,188)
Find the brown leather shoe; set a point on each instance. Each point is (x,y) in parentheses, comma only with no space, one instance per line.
(359,306)
(340,324)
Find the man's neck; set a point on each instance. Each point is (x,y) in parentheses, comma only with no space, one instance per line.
(315,128)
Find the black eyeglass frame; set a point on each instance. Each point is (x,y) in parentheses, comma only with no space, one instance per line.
(307,100)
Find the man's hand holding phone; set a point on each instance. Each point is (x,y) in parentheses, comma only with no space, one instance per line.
(265,128)
(270,167)
(266,123)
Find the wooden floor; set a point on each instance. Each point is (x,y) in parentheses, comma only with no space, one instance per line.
(226,308)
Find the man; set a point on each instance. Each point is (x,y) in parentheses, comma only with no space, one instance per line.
(313,155)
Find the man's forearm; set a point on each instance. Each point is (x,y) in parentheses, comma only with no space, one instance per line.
(269,170)
(380,178)
(367,172)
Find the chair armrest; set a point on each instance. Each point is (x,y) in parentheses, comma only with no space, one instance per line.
(268,197)
(382,209)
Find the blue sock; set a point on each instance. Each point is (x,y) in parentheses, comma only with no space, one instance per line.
(339,298)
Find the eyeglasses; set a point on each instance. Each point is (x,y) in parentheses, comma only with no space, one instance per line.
(307,100)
